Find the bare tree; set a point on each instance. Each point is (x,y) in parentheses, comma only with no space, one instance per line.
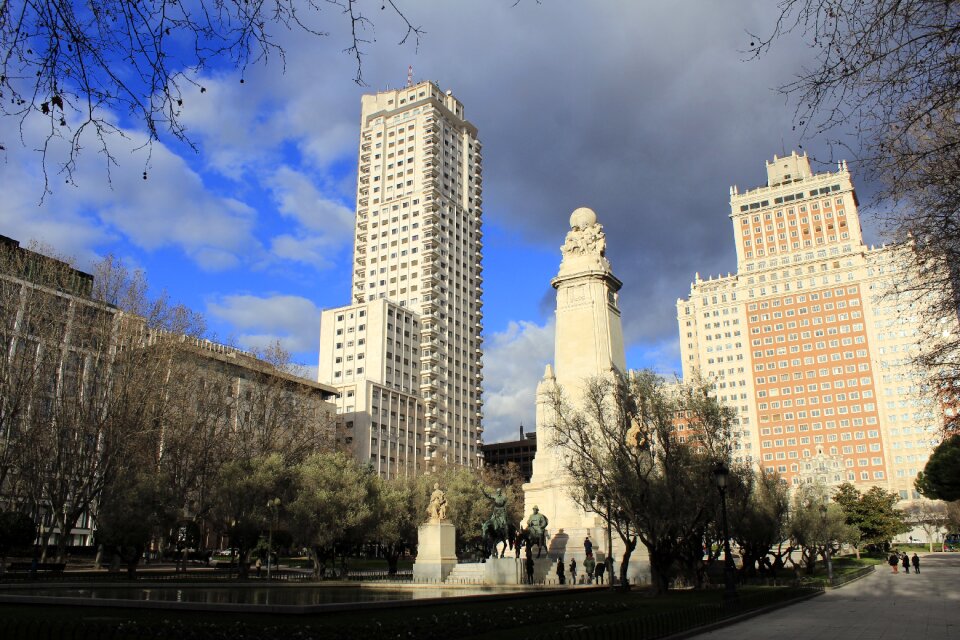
(885,88)
(77,64)
(631,464)
(930,516)
(279,411)
(225,406)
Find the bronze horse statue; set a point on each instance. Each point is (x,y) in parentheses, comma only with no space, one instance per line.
(530,538)
(493,536)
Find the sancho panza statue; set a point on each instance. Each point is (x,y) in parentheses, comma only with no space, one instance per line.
(537,530)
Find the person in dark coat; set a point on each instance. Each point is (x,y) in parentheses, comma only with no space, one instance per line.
(601,567)
(916,563)
(529,566)
(589,567)
(561,578)
(906,563)
(894,562)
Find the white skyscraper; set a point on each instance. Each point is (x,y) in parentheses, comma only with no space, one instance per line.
(406,354)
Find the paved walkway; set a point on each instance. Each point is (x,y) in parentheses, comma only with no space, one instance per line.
(881,606)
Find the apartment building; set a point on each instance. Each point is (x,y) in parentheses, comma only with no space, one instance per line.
(67,385)
(807,341)
(417,269)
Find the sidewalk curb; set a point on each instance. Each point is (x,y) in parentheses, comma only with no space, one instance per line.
(726,622)
(873,570)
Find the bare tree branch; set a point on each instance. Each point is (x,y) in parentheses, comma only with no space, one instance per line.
(81,64)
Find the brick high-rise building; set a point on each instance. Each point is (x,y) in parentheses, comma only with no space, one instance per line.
(806,340)
(411,392)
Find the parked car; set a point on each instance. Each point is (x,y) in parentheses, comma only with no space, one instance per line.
(951,542)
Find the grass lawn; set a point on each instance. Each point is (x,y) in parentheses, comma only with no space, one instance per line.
(500,619)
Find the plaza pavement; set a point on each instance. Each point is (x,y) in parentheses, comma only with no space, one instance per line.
(882,605)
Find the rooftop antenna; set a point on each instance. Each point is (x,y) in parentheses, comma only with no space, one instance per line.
(409,76)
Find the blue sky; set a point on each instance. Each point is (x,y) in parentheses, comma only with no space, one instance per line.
(645,113)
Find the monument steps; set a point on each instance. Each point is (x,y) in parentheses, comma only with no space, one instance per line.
(467,573)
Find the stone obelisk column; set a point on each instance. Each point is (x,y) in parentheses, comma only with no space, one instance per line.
(589,343)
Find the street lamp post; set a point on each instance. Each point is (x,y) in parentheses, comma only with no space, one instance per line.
(273,505)
(826,543)
(721,474)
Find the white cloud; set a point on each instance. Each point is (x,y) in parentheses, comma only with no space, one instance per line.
(323,226)
(298,197)
(171,207)
(278,108)
(259,321)
(514,360)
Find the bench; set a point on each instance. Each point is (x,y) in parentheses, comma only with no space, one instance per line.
(40,567)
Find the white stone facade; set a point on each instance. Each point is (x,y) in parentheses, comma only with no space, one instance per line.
(588,343)
(418,247)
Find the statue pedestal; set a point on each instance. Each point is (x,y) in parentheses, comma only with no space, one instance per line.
(436,552)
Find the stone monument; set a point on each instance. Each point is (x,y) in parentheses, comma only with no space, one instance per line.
(436,542)
(588,343)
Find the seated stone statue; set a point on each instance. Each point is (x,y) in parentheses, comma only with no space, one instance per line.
(437,509)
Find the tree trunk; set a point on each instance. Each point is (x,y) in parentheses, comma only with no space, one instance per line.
(133,558)
(392,554)
(624,564)
(315,559)
(810,561)
(45,541)
(660,564)
(243,568)
(98,561)
(63,539)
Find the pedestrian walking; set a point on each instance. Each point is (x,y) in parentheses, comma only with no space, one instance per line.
(916,563)
(601,567)
(906,563)
(529,563)
(259,565)
(894,562)
(573,571)
(561,578)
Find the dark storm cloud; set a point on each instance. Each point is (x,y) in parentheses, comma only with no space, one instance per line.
(646,113)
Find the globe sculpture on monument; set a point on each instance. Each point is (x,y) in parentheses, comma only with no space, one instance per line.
(588,343)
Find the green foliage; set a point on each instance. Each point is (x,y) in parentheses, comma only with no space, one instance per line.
(129,511)
(940,479)
(17,531)
(240,494)
(873,514)
(334,502)
(817,527)
(132,510)
(759,508)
